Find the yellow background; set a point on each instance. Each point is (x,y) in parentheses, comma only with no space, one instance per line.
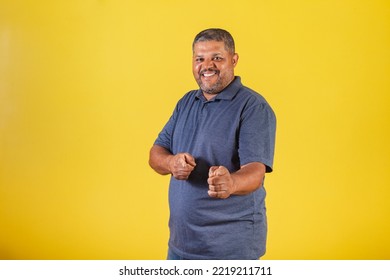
(86,85)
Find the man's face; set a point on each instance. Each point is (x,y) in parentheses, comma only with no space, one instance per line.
(213,66)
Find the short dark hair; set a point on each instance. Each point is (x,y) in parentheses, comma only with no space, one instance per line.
(216,34)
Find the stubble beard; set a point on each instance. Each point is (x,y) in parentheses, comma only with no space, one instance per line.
(215,88)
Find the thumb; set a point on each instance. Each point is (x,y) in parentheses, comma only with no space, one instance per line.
(221,170)
(189,159)
(212,171)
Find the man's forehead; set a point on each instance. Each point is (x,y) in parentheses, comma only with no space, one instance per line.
(207,53)
(209,47)
(215,43)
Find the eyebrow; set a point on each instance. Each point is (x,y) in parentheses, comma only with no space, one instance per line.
(214,54)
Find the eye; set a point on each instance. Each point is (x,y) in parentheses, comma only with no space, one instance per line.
(199,59)
(217,58)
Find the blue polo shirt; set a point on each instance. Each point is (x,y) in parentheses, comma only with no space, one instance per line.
(234,128)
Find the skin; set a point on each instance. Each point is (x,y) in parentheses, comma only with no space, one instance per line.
(213,69)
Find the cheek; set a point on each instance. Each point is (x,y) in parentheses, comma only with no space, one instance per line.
(196,69)
(226,69)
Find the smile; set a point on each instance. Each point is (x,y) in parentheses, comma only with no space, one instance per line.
(208,74)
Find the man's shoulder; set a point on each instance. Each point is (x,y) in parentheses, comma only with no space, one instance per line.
(251,95)
(189,95)
(188,98)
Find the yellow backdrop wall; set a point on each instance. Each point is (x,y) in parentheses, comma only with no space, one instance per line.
(85,86)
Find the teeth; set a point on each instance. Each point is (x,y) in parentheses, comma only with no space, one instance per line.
(208,74)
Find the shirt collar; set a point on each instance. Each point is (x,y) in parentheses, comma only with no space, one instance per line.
(227,93)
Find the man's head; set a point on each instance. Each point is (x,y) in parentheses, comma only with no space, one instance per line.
(216,34)
(214,59)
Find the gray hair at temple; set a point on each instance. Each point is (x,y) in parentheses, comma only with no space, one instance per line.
(216,34)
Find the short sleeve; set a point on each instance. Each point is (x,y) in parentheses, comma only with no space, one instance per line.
(257,134)
(164,138)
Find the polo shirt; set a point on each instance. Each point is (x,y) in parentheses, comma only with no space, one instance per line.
(234,128)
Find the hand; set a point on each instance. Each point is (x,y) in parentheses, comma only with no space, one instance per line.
(221,184)
(181,165)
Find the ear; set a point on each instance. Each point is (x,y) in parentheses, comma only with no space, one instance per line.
(235,59)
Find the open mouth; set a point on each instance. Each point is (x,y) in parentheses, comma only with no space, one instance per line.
(208,74)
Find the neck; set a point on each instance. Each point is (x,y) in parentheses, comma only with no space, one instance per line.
(209,96)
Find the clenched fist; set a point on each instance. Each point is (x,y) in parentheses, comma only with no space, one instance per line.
(221,184)
(181,165)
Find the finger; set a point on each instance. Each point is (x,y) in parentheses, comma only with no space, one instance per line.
(213,188)
(212,170)
(182,175)
(213,194)
(218,188)
(216,180)
(221,170)
(221,195)
(189,160)
(182,162)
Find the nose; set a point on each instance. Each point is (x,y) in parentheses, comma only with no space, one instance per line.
(208,63)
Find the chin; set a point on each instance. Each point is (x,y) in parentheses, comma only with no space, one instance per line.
(211,92)
(214,89)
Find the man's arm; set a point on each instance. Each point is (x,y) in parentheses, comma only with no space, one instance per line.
(222,183)
(164,162)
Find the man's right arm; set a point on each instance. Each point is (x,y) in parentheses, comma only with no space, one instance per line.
(164,162)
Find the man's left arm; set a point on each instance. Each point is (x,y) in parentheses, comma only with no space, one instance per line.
(247,179)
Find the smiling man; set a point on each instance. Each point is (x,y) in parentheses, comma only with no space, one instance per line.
(217,146)
(213,66)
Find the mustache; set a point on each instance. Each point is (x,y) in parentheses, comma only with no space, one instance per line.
(208,70)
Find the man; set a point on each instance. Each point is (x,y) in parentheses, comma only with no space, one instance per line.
(217,145)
